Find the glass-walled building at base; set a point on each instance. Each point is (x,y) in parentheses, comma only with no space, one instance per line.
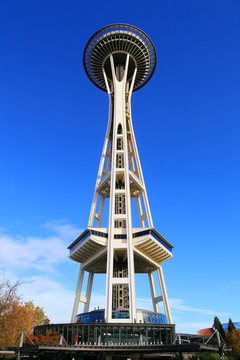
(109,334)
(143,316)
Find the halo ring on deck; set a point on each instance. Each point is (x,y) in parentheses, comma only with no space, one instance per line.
(114,39)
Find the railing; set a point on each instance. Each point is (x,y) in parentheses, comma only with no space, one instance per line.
(153,234)
(85,236)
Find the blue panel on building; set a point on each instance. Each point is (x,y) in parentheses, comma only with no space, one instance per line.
(97,316)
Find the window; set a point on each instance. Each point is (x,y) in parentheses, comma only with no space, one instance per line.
(119,130)
(120,143)
(120,207)
(120,161)
(120,223)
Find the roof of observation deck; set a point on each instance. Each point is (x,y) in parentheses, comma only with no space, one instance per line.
(119,38)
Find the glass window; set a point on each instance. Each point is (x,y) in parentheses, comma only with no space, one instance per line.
(119,130)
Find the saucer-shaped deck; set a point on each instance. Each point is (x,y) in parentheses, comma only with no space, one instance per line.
(119,39)
(150,249)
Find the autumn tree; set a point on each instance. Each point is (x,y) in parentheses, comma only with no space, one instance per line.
(233,341)
(16,315)
(51,337)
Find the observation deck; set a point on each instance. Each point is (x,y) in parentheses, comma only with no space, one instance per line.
(119,39)
(150,248)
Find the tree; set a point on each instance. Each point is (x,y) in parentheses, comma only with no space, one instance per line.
(218,325)
(233,340)
(16,315)
(231,326)
(50,338)
(7,293)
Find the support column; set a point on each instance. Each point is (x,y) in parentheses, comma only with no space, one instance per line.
(153,292)
(139,168)
(89,292)
(101,170)
(100,214)
(131,273)
(78,293)
(109,268)
(140,212)
(164,294)
(119,118)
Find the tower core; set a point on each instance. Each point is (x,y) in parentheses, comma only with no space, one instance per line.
(120,59)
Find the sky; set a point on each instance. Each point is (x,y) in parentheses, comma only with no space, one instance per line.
(186,121)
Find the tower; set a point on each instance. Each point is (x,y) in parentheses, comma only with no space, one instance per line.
(120,59)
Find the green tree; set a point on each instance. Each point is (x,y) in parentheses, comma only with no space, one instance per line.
(218,325)
(231,326)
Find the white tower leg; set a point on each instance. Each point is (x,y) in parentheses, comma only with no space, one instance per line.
(89,292)
(101,172)
(164,294)
(153,292)
(78,293)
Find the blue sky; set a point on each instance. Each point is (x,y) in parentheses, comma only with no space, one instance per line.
(186,121)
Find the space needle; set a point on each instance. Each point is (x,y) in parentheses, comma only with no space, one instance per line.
(120,59)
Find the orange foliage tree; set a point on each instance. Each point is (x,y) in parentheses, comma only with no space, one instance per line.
(16,315)
(50,338)
(233,340)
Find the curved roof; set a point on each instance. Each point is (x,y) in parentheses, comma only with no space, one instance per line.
(119,38)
